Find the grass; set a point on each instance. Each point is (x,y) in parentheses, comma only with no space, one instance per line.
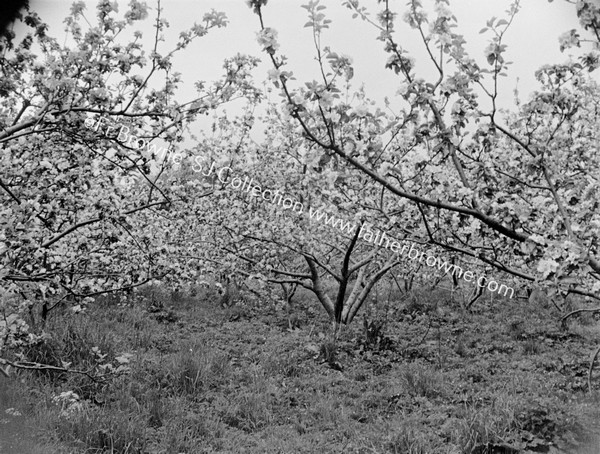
(209,379)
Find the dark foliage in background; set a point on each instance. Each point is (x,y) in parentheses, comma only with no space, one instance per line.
(9,11)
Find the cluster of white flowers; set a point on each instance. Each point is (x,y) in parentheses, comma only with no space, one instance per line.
(13,412)
(267,38)
(69,403)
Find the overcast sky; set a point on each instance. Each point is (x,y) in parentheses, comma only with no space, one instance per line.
(532,40)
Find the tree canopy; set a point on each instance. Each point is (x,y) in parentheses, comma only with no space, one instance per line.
(101,191)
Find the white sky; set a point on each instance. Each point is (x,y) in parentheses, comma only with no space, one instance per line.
(532,39)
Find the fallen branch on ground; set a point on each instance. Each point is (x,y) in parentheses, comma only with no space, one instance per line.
(575,312)
(6,364)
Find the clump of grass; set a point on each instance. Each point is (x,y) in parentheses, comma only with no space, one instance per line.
(72,341)
(196,369)
(417,304)
(516,329)
(406,440)
(187,430)
(250,411)
(135,325)
(421,380)
(102,430)
(460,348)
(328,411)
(402,435)
(480,426)
(328,351)
(286,365)
(136,416)
(82,343)
(361,376)
(531,347)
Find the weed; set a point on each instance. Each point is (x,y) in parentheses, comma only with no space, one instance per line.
(486,425)
(516,329)
(460,348)
(421,380)
(195,369)
(531,347)
(542,420)
(157,413)
(328,351)
(249,412)
(407,441)
(188,431)
(328,411)
(286,365)
(361,376)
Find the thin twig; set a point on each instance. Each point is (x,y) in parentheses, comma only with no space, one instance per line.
(27,365)
(591,368)
(563,321)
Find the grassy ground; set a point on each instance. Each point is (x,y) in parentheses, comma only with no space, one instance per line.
(434,379)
